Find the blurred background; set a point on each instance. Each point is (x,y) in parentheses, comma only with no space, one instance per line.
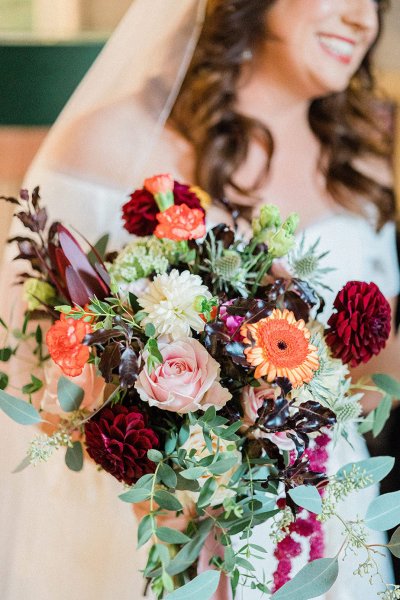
(46,46)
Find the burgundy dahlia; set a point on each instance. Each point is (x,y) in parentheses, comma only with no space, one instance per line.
(360,326)
(117,439)
(139,213)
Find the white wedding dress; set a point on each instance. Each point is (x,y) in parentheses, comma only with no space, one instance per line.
(67,535)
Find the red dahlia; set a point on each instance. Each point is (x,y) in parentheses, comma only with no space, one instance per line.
(140,212)
(117,439)
(360,326)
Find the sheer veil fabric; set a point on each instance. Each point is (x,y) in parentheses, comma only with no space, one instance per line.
(65,534)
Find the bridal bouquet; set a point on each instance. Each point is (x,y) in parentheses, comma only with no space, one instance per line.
(192,366)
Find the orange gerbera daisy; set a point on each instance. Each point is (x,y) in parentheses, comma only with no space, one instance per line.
(279,347)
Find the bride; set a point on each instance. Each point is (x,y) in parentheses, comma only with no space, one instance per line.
(256,101)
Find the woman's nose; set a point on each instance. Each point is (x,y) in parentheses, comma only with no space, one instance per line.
(361,14)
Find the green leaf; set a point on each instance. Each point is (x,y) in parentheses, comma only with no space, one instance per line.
(189,553)
(5,354)
(171,536)
(394,544)
(381,415)
(39,335)
(209,415)
(18,410)
(145,530)
(74,457)
(316,578)
(2,323)
(222,466)
(3,380)
(245,564)
(25,462)
(170,443)
(202,587)
(183,434)
(191,485)
(167,475)
(101,248)
(154,455)
(375,468)
(384,512)
(34,386)
(367,424)
(166,500)
(387,384)
(146,481)
(69,394)
(307,497)
(135,495)
(207,492)
(150,330)
(193,472)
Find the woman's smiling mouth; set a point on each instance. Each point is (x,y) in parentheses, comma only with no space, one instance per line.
(338,47)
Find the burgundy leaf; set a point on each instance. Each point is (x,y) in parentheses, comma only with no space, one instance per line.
(110,360)
(10,199)
(35,198)
(275,413)
(28,221)
(76,287)
(101,336)
(24,195)
(79,262)
(129,368)
(41,218)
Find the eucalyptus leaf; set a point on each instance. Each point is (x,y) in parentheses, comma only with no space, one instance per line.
(166,500)
(313,580)
(70,395)
(207,492)
(167,475)
(135,495)
(18,410)
(193,472)
(384,512)
(222,466)
(374,469)
(388,384)
(154,455)
(307,497)
(5,354)
(74,457)
(189,553)
(172,536)
(146,481)
(202,587)
(145,530)
(367,423)
(394,544)
(381,415)
(25,462)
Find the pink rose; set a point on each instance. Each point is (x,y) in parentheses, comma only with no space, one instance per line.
(252,400)
(92,384)
(186,381)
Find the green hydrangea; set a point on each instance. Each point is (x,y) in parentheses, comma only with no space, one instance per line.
(269,229)
(36,293)
(146,256)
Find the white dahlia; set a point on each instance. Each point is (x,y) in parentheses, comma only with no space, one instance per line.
(170,304)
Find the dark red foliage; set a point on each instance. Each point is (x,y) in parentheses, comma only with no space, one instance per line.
(139,213)
(118,439)
(360,326)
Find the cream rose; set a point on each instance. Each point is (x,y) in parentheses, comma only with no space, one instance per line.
(196,441)
(92,385)
(186,381)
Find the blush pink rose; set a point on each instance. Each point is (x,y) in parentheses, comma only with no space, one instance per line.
(92,384)
(186,381)
(252,400)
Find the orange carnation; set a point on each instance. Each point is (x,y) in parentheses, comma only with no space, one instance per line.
(159,184)
(279,347)
(64,341)
(180,223)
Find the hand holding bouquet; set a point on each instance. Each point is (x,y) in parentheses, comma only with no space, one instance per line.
(205,384)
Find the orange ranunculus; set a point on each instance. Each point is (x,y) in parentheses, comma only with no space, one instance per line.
(159,184)
(279,346)
(180,223)
(64,341)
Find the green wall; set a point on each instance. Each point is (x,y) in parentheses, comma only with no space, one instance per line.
(38,78)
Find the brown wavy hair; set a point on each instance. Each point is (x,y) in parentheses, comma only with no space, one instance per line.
(350,125)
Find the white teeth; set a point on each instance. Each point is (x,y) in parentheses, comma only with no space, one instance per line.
(336,45)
